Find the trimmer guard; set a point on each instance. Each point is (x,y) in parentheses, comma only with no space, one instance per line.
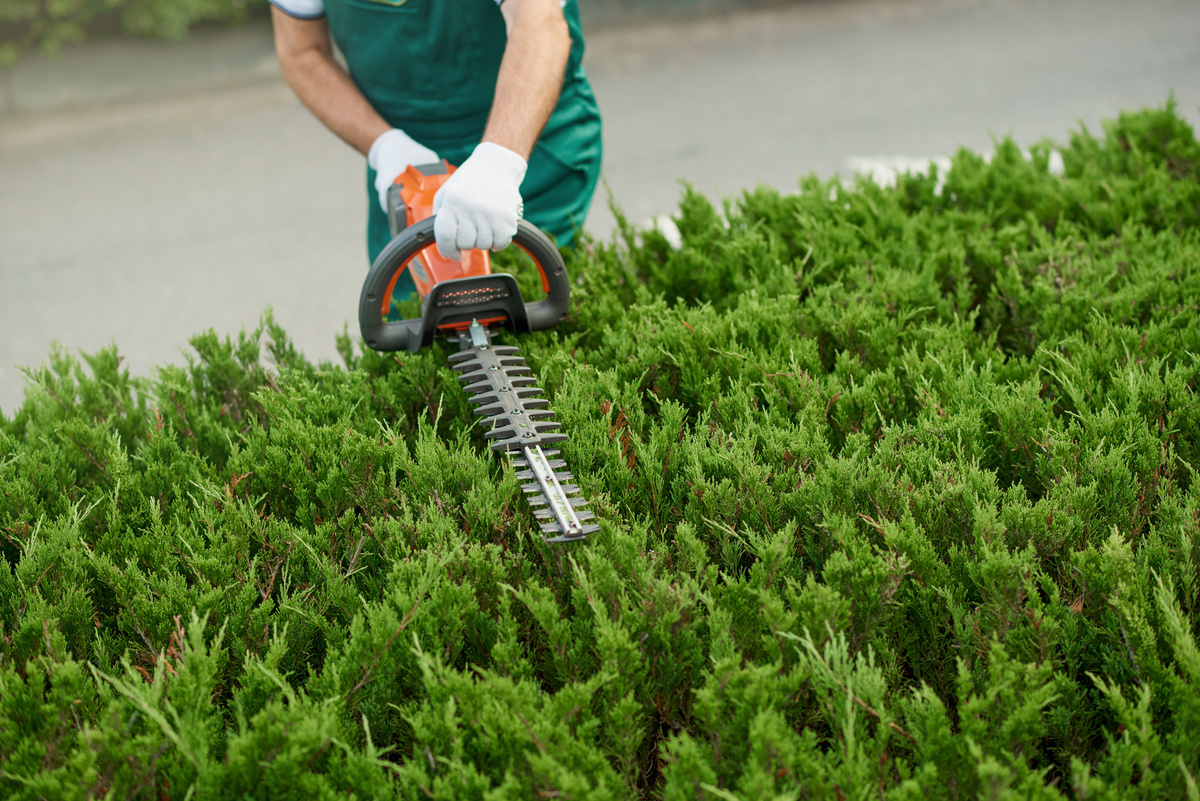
(451,305)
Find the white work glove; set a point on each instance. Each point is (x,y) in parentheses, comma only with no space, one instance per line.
(480,204)
(391,154)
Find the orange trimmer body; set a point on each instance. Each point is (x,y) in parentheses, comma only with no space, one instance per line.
(417,187)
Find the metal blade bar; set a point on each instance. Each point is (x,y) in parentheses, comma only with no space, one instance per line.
(564,513)
(517,421)
(564,476)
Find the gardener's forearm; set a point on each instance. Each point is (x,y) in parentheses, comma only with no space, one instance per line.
(306,60)
(531,73)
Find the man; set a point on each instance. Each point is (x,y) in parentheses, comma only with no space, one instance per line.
(495,87)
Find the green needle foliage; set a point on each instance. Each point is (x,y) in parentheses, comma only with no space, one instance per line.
(898,498)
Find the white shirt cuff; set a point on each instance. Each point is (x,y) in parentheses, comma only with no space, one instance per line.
(301,9)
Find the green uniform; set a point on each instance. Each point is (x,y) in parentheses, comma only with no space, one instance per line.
(429,68)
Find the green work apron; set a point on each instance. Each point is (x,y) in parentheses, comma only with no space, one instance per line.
(429,68)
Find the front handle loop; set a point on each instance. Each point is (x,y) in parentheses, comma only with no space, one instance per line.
(412,335)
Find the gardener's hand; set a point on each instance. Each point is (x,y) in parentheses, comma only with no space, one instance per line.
(480,204)
(391,154)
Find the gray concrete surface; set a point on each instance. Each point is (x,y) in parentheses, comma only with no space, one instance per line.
(105,72)
(207,192)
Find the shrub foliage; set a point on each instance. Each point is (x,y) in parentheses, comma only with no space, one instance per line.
(898,490)
(51,24)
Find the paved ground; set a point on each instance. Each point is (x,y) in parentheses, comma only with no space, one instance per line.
(206,192)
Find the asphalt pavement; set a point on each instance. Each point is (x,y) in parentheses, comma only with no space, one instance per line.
(149,192)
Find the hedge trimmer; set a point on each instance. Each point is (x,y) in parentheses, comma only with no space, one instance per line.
(465,300)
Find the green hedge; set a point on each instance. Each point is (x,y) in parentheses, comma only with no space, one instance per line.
(897,491)
(50,24)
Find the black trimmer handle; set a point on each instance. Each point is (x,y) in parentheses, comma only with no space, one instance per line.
(462,299)
(395,209)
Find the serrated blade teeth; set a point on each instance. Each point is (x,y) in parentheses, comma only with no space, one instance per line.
(527,475)
(474,389)
(502,351)
(569,489)
(544,512)
(539,415)
(518,443)
(475,380)
(576,503)
(548,528)
(517,420)
(554,463)
(551,528)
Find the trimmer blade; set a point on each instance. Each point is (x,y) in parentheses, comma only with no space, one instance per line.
(517,420)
